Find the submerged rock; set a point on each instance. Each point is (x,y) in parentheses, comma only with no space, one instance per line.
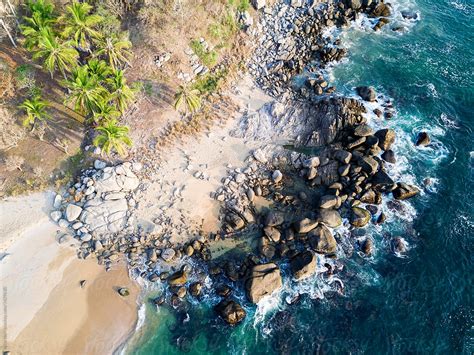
(230,311)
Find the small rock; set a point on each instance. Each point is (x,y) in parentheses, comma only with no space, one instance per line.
(259,155)
(123,291)
(423,139)
(73,212)
(99,164)
(56,216)
(277,176)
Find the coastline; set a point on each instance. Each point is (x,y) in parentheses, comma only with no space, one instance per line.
(47,310)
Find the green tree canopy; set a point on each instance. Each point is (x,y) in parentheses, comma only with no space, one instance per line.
(79,24)
(113,137)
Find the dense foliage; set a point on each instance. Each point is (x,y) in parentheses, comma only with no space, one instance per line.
(92,62)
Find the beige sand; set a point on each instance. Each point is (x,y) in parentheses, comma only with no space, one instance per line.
(44,310)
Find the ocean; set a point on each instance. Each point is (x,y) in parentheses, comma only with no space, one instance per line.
(420,302)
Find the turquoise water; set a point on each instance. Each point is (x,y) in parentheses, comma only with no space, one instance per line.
(421,303)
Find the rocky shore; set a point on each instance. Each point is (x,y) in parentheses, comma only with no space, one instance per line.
(287,204)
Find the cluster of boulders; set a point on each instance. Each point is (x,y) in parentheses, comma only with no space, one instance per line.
(287,46)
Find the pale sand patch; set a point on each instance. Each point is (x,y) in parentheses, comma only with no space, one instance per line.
(175,192)
(46,310)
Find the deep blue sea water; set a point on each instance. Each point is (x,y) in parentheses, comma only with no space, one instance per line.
(420,303)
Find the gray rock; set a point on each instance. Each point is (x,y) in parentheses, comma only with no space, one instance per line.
(272,233)
(277,176)
(363,130)
(258,4)
(330,218)
(73,212)
(343,156)
(369,165)
(58,199)
(322,240)
(168,254)
(264,279)
(86,237)
(63,223)
(99,164)
(360,217)
(56,216)
(305,225)
(386,138)
(303,265)
(311,162)
(274,218)
(367,93)
(259,155)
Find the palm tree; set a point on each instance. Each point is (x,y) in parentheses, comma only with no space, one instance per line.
(80,24)
(35,110)
(32,30)
(188,96)
(104,111)
(112,136)
(115,49)
(43,7)
(121,93)
(85,91)
(98,69)
(56,55)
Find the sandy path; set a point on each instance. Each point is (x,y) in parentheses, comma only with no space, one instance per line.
(180,190)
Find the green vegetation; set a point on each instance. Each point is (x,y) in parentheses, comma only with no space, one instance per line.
(35,111)
(244,5)
(207,57)
(209,83)
(112,136)
(97,88)
(188,97)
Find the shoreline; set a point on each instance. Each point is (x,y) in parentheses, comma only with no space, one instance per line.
(47,310)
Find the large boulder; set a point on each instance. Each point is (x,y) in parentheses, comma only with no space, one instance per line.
(423,139)
(367,93)
(386,138)
(382,182)
(303,265)
(360,217)
(404,191)
(305,225)
(329,173)
(274,218)
(369,165)
(178,278)
(230,311)
(73,212)
(322,240)
(264,279)
(330,218)
(328,201)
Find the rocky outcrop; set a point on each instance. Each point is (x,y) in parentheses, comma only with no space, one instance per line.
(230,311)
(264,279)
(303,265)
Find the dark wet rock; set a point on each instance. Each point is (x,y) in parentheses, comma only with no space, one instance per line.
(389,156)
(263,280)
(372,209)
(328,173)
(230,311)
(409,15)
(369,165)
(423,139)
(181,292)
(303,265)
(382,218)
(223,290)
(274,218)
(367,93)
(380,23)
(82,283)
(195,289)
(367,246)
(399,245)
(178,278)
(353,4)
(235,221)
(363,130)
(404,191)
(386,138)
(266,248)
(305,225)
(330,218)
(381,10)
(123,291)
(322,240)
(360,217)
(343,156)
(154,277)
(368,197)
(382,181)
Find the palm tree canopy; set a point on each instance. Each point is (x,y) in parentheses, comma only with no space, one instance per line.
(98,69)
(189,97)
(80,24)
(84,90)
(104,111)
(35,110)
(41,19)
(113,136)
(116,49)
(56,55)
(121,93)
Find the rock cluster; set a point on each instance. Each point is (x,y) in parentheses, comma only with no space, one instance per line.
(287,46)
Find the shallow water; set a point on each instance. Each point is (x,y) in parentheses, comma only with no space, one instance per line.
(421,303)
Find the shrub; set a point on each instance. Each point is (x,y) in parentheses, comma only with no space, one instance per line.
(207,57)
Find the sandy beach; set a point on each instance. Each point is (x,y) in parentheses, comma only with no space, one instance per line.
(44,309)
